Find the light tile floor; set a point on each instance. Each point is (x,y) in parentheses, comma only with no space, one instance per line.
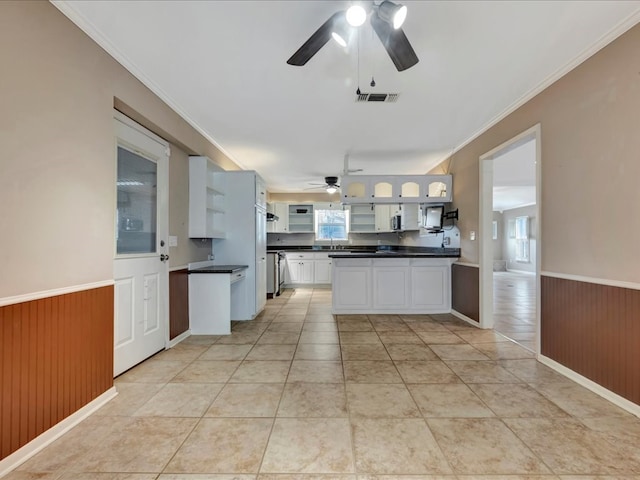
(514,306)
(299,394)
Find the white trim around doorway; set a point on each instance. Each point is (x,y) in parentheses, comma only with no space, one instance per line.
(486,219)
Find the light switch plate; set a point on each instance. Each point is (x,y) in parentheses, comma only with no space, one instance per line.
(173,241)
(472,236)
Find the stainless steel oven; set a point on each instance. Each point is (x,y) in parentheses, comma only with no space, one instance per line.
(275,273)
(272,274)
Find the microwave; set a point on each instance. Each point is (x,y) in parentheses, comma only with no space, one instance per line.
(396,222)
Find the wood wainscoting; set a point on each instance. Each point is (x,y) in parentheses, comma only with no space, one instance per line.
(178,302)
(56,356)
(594,330)
(465,290)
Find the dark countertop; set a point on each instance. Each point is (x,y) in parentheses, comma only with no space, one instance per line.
(219,269)
(391,254)
(373,251)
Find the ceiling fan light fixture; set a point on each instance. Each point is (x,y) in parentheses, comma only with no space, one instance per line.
(393,13)
(331,189)
(356,15)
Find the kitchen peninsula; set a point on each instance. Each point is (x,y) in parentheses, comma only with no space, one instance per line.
(393,280)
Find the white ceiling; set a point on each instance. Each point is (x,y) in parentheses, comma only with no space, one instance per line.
(514,177)
(222,65)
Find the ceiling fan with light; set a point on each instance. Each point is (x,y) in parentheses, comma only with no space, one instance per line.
(386,19)
(330,185)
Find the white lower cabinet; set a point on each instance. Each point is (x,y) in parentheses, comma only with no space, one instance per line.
(306,272)
(391,285)
(427,287)
(351,288)
(308,268)
(300,267)
(322,272)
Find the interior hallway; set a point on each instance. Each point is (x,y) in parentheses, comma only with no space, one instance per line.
(298,392)
(514,307)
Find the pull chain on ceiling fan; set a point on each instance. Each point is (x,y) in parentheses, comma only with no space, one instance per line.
(386,20)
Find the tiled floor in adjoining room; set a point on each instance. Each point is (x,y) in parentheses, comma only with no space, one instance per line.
(299,394)
(514,306)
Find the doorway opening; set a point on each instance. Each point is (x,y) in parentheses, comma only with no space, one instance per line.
(140,251)
(510,239)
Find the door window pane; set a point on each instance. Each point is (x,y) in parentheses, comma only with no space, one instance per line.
(137,203)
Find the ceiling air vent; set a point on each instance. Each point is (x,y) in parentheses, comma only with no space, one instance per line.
(377,97)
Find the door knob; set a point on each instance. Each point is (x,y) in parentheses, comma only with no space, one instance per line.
(163,257)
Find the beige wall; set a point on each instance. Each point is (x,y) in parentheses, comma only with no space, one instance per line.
(309,197)
(57,169)
(590,168)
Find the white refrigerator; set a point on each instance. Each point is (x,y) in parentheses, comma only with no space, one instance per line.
(246,240)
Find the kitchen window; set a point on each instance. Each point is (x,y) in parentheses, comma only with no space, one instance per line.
(522,239)
(331,224)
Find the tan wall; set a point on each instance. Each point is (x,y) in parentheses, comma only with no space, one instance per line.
(309,197)
(590,168)
(57,169)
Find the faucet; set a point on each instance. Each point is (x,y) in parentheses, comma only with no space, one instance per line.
(331,242)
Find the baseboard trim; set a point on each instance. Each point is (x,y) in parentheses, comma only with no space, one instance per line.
(591,385)
(172,343)
(462,316)
(27,451)
(307,285)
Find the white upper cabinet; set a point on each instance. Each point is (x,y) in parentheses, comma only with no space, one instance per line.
(356,189)
(383,217)
(280,210)
(410,216)
(396,189)
(206,199)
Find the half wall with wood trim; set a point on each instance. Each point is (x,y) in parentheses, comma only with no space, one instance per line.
(178,302)
(465,290)
(594,330)
(56,355)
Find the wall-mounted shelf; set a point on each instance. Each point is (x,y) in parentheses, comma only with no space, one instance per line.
(207,214)
(301,218)
(362,219)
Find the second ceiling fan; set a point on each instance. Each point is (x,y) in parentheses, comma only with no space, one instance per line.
(386,20)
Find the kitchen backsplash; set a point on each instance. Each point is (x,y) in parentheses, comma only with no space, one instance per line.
(275,239)
(424,239)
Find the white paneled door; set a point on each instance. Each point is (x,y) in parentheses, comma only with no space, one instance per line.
(141,261)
